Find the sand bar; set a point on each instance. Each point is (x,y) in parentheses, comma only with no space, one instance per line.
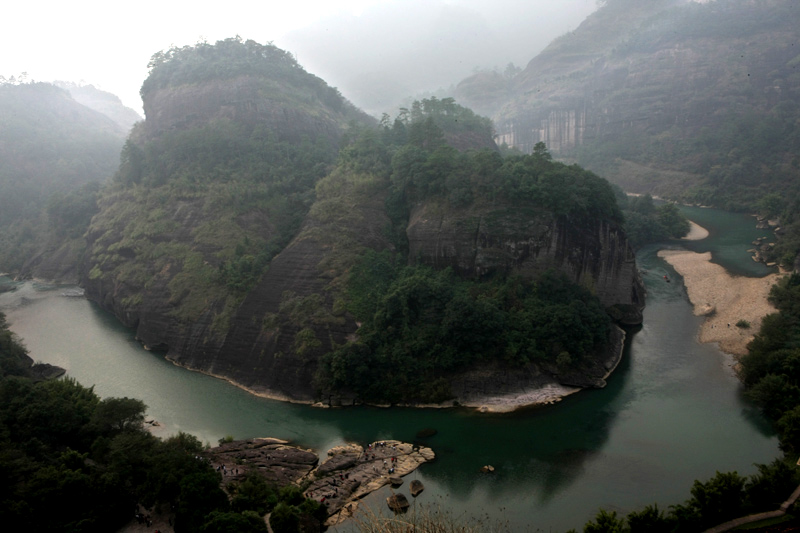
(724,299)
(696,232)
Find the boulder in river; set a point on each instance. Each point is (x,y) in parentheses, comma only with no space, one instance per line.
(416,487)
(398,503)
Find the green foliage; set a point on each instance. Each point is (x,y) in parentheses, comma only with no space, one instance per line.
(605,522)
(419,325)
(254,494)
(648,520)
(222,522)
(232,58)
(69,214)
(771,368)
(239,178)
(427,167)
(200,495)
(113,415)
(719,499)
(723,497)
(14,359)
(285,518)
(647,223)
(673,221)
(744,324)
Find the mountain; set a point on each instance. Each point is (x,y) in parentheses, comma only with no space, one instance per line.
(103,102)
(52,150)
(252,194)
(687,100)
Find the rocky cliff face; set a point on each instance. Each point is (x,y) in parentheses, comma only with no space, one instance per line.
(642,90)
(208,265)
(246,99)
(481,241)
(270,342)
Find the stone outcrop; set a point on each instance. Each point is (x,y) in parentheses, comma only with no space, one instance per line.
(477,242)
(349,472)
(246,99)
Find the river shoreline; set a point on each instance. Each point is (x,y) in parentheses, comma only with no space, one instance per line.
(725,300)
(536,395)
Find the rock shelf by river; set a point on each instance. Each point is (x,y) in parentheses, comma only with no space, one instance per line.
(349,472)
(723,299)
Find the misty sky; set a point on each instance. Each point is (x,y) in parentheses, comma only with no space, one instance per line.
(390,46)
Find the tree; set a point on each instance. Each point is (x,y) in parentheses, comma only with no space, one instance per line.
(649,520)
(605,522)
(285,518)
(222,522)
(719,499)
(540,151)
(200,496)
(113,415)
(674,222)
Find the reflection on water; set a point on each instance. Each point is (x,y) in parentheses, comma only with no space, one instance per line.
(671,413)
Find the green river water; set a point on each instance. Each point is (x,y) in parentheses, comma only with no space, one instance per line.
(672,412)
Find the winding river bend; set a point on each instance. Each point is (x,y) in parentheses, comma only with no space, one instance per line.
(672,412)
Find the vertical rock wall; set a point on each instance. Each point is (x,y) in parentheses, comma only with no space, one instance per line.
(482,241)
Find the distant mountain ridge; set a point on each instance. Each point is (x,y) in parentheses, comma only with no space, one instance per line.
(52,148)
(696,101)
(103,102)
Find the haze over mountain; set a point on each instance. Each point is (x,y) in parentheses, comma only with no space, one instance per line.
(395,51)
(346,42)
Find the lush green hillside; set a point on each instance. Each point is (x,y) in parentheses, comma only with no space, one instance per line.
(50,147)
(229,234)
(419,326)
(203,200)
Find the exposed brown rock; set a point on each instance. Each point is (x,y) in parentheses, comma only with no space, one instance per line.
(479,241)
(398,503)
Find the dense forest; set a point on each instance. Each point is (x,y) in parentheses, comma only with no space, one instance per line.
(420,325)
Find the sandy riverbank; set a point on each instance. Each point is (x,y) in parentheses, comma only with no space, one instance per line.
(696,232)
(724,299)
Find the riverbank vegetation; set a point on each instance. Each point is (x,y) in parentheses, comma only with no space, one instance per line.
(771,375)
(419,326)
(71,461)
(647,223)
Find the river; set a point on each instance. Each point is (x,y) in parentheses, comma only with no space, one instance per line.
(672,412)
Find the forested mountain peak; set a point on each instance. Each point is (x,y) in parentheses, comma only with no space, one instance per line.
(243,81)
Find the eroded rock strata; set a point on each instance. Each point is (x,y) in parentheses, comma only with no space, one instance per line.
(347,474)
